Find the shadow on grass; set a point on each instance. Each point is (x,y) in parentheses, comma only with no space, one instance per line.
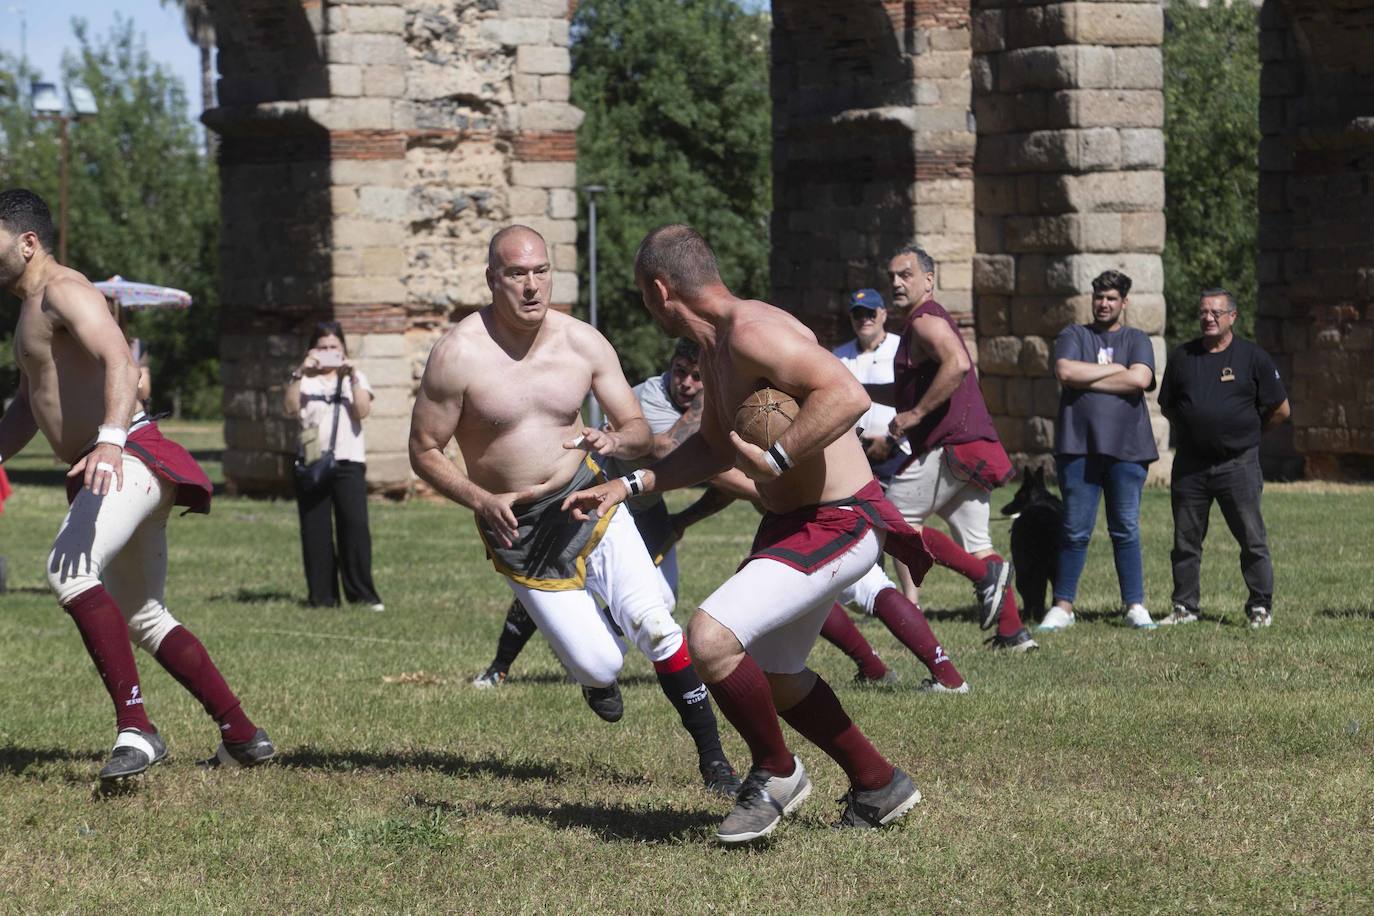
(617,823)
(1348,613)
(15,760)
(255,596)
(312,758)
(557,677)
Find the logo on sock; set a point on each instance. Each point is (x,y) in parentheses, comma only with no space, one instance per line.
(695,695)
(134,698)
(941,656)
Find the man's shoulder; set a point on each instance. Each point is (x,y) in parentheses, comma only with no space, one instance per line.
(67,288)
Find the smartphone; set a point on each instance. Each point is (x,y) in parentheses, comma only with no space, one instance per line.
(329,359)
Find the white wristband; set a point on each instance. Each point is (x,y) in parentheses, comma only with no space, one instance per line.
(112,435)
(777,458)
(634,482)
(772,462)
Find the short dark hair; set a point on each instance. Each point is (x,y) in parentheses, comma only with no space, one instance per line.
(327,329)
(923,260)
(1219,291)
(21,211)
(678,254)
(687,349)
(1112,279)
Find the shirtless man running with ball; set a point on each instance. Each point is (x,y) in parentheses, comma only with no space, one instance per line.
(825,528)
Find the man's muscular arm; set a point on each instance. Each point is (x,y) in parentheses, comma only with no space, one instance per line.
(1133,380)
(17,426)
(82,310)
(687,424)
(932,335)
(629,435)
(433,422)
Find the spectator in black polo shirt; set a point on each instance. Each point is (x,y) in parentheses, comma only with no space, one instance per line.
(1220,393)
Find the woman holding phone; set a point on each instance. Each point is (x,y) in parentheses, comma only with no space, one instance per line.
(327,386)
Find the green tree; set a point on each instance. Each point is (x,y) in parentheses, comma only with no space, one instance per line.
(142,202)
(1211,175)
(678,127)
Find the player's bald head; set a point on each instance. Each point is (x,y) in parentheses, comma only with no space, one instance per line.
(679,256)
(510,234)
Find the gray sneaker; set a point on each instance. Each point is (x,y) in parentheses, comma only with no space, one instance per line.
(990,590)
(762,802)
(1179,615)
(134,751)
(880,807)
(256,751)
(930,685)
(606,702)
(1259,617)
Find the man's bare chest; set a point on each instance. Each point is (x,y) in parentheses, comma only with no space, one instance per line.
(508,395)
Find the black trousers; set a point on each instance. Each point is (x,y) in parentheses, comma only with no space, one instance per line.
(1236,485)
(345,496)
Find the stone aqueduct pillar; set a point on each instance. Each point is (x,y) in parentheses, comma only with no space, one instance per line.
(369,150)
(1316,258)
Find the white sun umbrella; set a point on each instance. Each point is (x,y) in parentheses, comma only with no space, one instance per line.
(138,296)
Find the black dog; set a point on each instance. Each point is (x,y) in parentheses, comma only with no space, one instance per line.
(1035,538)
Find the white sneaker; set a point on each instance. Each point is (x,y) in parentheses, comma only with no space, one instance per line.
(930,685)
(378,607)
(1056,618)
(1259,617)
(1179,615)
(1138,617)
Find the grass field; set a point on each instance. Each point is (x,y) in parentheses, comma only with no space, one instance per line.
(1206,769)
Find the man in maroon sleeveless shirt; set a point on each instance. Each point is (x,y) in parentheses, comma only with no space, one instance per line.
(957,459)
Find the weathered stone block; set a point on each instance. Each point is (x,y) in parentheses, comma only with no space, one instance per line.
(527,202)
(1106,108)
(987,31)
(382,203)
(550,116)
(368,289)
(385,19)
(994,273)
(526,87)
(563,203)
(541,59)
(386,470)
(992,315)
(544,174)
(1101,191)
(1142,148)
(1119,24)
(1064,67)
(1019,397)
(1146,311)
(365,233)
(1142,231)
(555,88)
(377,346)
(938,65)
(1046,398)
(1139,68)
(1012,432)
(1000,355)
(513,32)
(564,286)
(1039,434)
(1046,316)
(384,262)
(384,82)
(565,257)
(534,9)
(994,393)
(344,80)
(358,48)
(367,171)
(388,372)
(1035,356)
(1075,272)
(356,114)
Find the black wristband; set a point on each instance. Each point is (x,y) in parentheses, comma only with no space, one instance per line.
(783,462)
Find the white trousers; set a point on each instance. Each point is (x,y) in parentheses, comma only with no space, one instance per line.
(622,574)
(926,487)
(119,540)
(866,590)
(776,612)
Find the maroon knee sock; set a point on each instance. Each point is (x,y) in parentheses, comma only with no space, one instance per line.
(909,625)
(106,636)
(820,719)
(186,660)
(840,631)
(1010,621)
(747,701)
(951,555)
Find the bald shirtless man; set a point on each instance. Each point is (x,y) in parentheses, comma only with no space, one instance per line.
(108,566)
(823,530)
(508,383)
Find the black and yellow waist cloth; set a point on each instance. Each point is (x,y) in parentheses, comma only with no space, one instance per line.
(551,547)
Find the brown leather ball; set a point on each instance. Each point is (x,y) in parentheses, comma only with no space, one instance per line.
(764,416)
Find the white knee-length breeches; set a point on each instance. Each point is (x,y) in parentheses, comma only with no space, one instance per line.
(776,612)
(927,487)
(622,574)
(864,592)
(119,540)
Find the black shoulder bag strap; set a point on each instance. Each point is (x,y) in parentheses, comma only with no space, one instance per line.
(338,402)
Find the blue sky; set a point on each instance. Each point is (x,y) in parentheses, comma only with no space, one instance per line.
(49,33)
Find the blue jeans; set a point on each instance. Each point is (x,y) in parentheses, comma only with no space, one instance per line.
(1082,478)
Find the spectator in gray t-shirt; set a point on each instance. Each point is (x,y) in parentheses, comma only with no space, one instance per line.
(1103,443)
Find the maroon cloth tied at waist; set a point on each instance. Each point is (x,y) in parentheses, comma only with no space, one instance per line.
(808,538)
(981,463)
(963,418)
(169,461)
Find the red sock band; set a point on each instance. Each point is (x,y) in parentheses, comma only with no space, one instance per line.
(675,662)
(839,630)
(745,698)
(820,719)
(106,636)
(186,660)
(909,625)
(952,556)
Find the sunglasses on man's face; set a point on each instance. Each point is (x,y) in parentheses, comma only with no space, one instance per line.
(862,314)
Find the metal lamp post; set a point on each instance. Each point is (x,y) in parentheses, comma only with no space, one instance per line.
(592,190)
(47,105)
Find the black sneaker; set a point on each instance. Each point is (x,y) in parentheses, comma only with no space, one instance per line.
(878,807)
(762,801)
(720,778)
(991,589)
(1020,641)
(494,676)
(606,702)
(253,752)
(134,751)
(889,679)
